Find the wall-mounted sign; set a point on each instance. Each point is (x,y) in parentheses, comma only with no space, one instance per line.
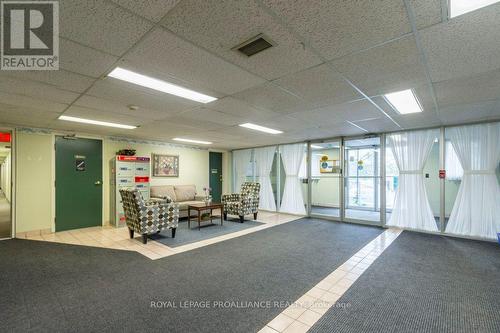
(80,162)
(215,171)
(329,166)
(5,137)
(442,174)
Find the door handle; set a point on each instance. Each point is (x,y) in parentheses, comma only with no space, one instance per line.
(98,182)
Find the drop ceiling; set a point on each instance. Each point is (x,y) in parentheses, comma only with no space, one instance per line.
(330,63)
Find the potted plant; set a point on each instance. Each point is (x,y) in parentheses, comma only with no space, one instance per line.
(208,196)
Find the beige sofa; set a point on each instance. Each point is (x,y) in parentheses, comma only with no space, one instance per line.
(184,195)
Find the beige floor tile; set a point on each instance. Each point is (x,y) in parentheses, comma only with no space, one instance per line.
(267,329)
(331,296)
(325,284)
(294,311)
(315,292)
(309,317)
(306,301)
(280,323)
(297,327)
(321,306)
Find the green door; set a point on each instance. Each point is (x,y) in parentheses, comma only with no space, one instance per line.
(78,183)
(215,174)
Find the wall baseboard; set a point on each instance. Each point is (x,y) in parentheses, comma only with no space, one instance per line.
(32,233)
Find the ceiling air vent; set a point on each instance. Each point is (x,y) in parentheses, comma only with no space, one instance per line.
(254,45)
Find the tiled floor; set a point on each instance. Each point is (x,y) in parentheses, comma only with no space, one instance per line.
(308,309)
(118,238)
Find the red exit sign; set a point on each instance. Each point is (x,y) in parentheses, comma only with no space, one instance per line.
(4,136)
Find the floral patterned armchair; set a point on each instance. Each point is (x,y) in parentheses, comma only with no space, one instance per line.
(148,217)
(243,203)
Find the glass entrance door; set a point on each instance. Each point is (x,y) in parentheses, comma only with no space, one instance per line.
(325,179)
(362,179)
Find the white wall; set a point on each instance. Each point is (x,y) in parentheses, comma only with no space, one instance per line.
(35,175)
(34,184)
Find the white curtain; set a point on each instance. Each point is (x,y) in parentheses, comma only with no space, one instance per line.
(411,206)
(454,169)
(476,211)
(241,161)
(292,157)
(264,162)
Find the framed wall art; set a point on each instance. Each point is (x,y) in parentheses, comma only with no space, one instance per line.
(165,165)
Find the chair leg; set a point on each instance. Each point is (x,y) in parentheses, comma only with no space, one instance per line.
(144,239)
(173,232)
(255,216)
(242,219)
(131,233)
(225,216)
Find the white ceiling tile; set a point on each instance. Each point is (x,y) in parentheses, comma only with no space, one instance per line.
(153,10)
(391,67)
(167,129)
(345,26)
(464,45)
(467,90)
(219,26)
(352,111)
(457,114)
(101,25)
(188,121)
(126,93)
(164,54)
(378,125)
(242,109)
(319,85)
(120,107)
(202,114)
(427,12)
(61,79)
(271,97)
(31,103)
(25,116)
(84,60)
(113,117)
(36,90)
(325,131)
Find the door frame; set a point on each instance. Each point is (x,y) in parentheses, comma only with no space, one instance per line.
(13,191)
(53,176)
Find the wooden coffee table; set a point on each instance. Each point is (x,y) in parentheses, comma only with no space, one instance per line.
(201,207)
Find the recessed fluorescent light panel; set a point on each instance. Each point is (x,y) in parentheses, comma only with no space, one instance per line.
(261,128)
(404,101)
(316,147)
(95,122)
(460,7)
(193,141)
(152,83)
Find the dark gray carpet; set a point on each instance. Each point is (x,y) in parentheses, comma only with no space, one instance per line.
(423,283)
(185,236)
(58,287)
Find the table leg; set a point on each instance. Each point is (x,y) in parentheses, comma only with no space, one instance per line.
(189,218)
(211,222)
(199,220)
(221,216)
